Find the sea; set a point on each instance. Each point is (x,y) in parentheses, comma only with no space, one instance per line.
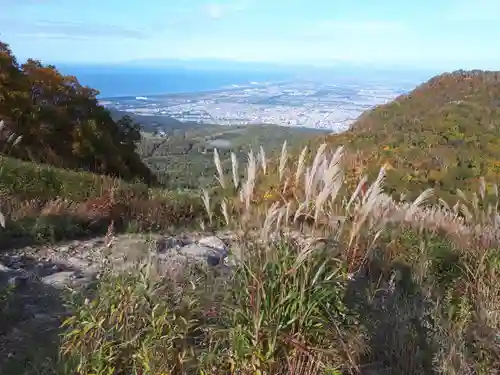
(115,82)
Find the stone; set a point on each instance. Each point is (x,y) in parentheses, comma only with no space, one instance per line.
(212,255)
(43,317)
(75,262)
(4,268)
(15,259)
(59,279)
(213,242)
(15,262)
(169,243)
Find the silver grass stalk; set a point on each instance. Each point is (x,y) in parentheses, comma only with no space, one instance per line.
(263,160)
(333,183)
(307,186)
(225,211)
(376,188)
(318,157)
(337,182)
(218,166)
(11,137)
(462,195)
(283,160)
(354,195)
(465,211)
(368,203)
(234,166)
(300,165)
(421,199)
(333,169)
(17,141)
(482,188)
(312,180)
(271,215)
(475,201)
(299,211)
(281,215)
(444,204)
(339,153)
(285,186)
(206,201)
(250,182)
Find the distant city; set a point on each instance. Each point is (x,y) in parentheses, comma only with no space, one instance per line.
(300,104)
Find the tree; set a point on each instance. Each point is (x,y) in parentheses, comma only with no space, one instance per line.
(62,122)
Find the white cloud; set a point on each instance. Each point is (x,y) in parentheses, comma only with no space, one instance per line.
(53,36)
(214,11)
(219,10)
(45,29)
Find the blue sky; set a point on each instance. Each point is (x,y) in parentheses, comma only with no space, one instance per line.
(447,34)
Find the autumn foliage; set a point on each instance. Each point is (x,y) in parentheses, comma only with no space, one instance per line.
(62,123)
(445,134)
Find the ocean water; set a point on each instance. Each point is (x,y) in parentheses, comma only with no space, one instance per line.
(119,81)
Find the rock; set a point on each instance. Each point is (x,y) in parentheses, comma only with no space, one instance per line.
(79,263)
(15,259)
(41,317)
(39,266)
(169,243)
(63,249)
(212,255)
(215,243)
(59,279)
(172,265)
(5,269)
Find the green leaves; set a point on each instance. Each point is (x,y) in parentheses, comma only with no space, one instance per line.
(62,124)
(276,306)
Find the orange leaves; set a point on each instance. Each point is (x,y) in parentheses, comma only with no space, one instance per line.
(63,124)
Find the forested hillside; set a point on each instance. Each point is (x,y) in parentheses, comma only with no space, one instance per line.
(445,134)
(58,121)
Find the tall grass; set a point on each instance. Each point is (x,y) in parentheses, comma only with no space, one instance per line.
(324,281)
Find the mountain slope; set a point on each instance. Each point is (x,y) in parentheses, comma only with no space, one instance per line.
(444,134)
(59,122)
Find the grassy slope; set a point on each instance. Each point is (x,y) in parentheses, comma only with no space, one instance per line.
(445,134)
(44,203)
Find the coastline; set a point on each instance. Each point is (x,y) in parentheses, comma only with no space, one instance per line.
(195,92)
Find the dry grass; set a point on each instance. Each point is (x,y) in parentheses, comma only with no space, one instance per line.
(329,280)
(42,220)
(310,199)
